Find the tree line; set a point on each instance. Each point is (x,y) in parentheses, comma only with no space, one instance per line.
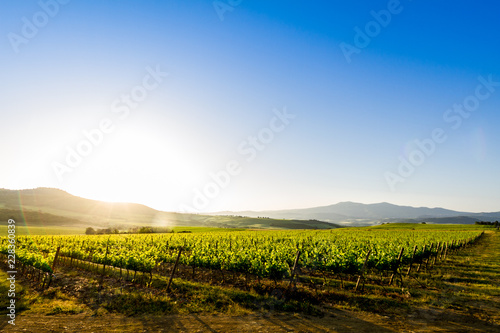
(496,223)
(133,230)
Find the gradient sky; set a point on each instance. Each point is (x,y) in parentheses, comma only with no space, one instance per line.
(354,121)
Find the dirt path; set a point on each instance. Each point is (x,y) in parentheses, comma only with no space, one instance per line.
(464,298)
(336,321)
(343,322)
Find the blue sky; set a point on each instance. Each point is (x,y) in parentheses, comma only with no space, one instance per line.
(352,120)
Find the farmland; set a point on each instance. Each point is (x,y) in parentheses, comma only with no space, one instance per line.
(267,254)
(241,272)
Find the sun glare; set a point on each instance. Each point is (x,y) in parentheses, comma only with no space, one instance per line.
(136,166)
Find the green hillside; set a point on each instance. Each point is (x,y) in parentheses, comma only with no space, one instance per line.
(33,218)
(429,226)
(45,207)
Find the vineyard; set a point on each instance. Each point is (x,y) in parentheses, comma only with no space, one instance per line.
(274,255)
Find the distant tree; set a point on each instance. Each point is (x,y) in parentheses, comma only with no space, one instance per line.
(145,230)
(90,231)
(103,231)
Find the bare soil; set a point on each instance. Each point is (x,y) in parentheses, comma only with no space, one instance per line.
(423,320)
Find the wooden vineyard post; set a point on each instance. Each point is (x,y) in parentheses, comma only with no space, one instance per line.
(294,268)
(173,271)
(429,257)
(441,251)
(412,258)
(89,261)
(104,265)
(437,254)
(362,271)
(445,251)
(397,266)
(53,265)
(421,259)
(55,259)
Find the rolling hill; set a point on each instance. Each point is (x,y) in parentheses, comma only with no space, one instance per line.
(53,207)
(352,213)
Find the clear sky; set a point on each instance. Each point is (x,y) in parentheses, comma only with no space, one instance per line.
(234,105)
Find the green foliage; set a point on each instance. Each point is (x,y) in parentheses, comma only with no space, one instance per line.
(34,218)
(268,254)
(427,226)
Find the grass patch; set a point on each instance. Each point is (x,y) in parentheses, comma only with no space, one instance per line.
(430,226)
(37,230)
(205,229)
(195,297)
(20,292)
(66,308)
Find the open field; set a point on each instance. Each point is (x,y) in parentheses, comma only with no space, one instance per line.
(40,231)
(266,254)
(60,230)
(429,226)
(458,294)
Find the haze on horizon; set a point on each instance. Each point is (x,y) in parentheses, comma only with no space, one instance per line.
(250,105)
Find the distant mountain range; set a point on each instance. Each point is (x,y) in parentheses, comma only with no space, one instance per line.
(352,213)
(48,207)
